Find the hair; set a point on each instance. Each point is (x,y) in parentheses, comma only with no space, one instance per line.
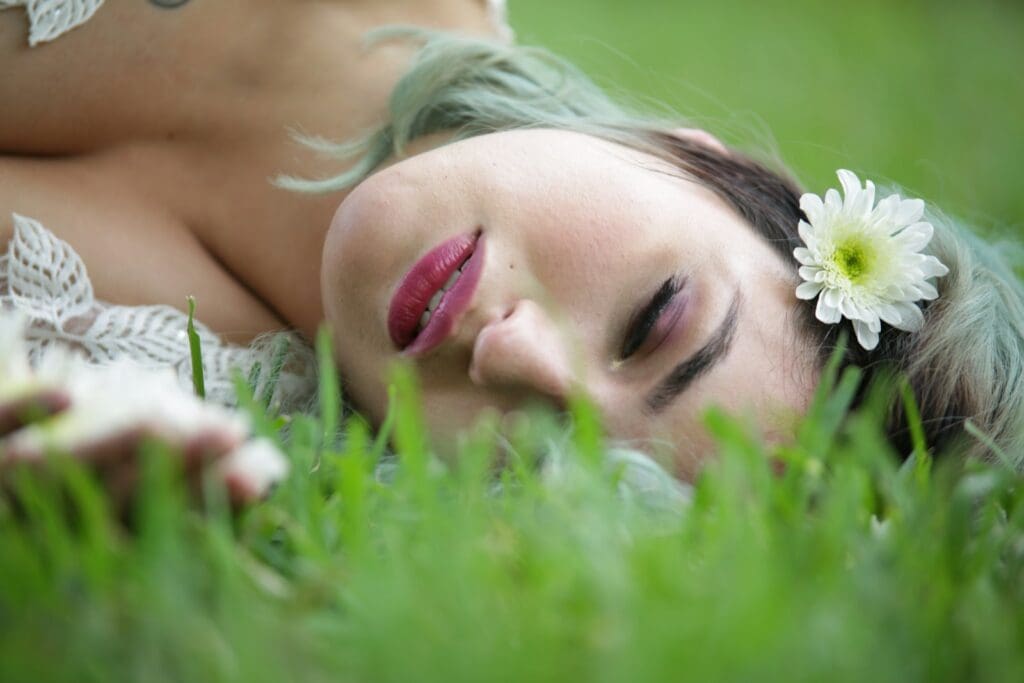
(965,364)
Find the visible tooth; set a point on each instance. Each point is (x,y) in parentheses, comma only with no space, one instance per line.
(424,319)
(451,280)
(435,300)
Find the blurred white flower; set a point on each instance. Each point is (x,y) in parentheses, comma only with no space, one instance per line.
(863,262)
(15,374)
(108,400)
(253,468)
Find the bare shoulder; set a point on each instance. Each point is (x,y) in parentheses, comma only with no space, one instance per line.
(135,251)
(76,200)
(152,70)
(68,93)
(135,70)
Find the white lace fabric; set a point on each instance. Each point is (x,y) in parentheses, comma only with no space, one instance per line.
(50,19)
(44,279)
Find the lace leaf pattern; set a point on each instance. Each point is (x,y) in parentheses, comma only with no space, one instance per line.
(44,278)
(50,19)
(51,281)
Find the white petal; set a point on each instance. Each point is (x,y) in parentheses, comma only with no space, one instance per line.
(813,207)
(869,190)
(804,256)
(808,290)
(884,212)
(910,211)
(911,318)
(910,292)
(861,205)
(915,237)
(851,185)
(890,314)
(892,293)
(912,267)
(853,309)
(825,313)
(927,290)
(867,314)
(809,273)
(833,297)
(933,267)
(867,337)
(833,204)
(807,234)
(848,308)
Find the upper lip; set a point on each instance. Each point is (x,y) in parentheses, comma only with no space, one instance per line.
(425,279)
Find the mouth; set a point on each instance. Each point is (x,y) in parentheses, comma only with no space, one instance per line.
(434,294)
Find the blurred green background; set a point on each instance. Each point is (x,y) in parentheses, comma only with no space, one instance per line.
(928,94)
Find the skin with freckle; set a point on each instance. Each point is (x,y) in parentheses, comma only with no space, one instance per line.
(579,233)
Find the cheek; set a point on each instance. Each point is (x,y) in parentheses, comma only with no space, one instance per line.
(357,242)
(576,260)
(363,381)
(767,381)
(692,452)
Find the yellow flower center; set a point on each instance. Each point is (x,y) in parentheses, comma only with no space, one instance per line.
(853,258)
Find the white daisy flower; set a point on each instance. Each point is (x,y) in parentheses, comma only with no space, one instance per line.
(863,262)
(107,400)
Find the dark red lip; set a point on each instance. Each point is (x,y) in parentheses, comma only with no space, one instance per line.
(424,280)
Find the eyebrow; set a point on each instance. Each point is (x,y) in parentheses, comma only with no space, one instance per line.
(697,365)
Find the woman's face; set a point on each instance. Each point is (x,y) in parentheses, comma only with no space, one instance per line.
(573,239)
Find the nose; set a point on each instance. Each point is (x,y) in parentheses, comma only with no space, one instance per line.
(523,351)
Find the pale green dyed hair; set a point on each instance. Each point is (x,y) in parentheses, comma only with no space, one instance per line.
(965,365)
(467,87)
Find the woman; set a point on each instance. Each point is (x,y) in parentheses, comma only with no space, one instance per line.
(503,226)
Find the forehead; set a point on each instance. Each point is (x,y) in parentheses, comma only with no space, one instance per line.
(534,170)
(544,152)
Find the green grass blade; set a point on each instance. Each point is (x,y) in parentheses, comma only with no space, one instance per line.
(195,346)
(330,388)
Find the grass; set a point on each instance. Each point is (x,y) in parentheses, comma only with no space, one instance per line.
(847,566)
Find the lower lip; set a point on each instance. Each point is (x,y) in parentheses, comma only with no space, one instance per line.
(453,303)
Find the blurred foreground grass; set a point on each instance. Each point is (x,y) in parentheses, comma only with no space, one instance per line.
(847,567)
(925,93)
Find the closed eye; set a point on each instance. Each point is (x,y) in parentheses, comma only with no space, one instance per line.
(643,321)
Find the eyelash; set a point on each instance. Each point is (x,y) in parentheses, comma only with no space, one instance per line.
(644,320)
